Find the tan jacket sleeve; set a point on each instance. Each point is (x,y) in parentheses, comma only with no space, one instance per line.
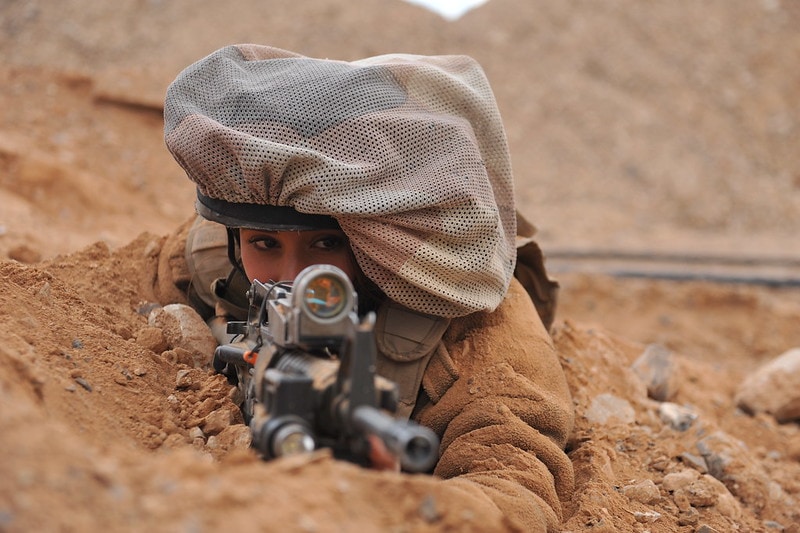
(500,402)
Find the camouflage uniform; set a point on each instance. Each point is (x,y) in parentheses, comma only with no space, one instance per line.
(408,155)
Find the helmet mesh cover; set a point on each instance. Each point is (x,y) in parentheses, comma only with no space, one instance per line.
(408,153)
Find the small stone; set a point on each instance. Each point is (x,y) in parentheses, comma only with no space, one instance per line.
(678,480)
(726,504)
(178,356)
(183,328)
(646,517)
(656,368)
(607,407)
(645,491)
(428,511)
(696,461)
(217,421)
(83,383)
(773,388)
(183,380)
(677,417)
(152,339)
(196,433)
(688,517)
(701,494)
(236,436)
(660,463)
(44,292)
(722,452)
(681,499)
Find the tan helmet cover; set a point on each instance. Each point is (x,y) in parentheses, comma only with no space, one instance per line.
(407,153)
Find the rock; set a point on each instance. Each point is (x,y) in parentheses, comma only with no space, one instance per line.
(644,492)
(731,462)
(428,510)
(700,493)
(688,517)
(183,379)
(708,491)
(656,368)
(152,339)
(646,517)
(723,453)
(183,328)
(679,480)
(607,407)
(236,436)
(697,462)
(773,388)
(217,421)
(179,356)
(678,417)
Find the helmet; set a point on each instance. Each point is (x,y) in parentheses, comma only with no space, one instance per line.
(406,154)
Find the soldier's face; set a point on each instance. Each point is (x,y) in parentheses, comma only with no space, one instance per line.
(281,255)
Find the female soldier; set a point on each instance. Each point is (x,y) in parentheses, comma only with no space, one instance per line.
(396,169)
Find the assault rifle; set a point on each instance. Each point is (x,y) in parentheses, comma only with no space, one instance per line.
(305,364)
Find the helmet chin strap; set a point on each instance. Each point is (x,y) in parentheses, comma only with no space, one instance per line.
(234,255)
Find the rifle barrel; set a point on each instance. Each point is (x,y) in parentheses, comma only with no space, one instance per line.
(416,446)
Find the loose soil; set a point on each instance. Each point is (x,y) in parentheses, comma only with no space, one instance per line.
(662,129)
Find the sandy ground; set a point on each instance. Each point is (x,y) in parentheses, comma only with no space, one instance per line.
(668,130)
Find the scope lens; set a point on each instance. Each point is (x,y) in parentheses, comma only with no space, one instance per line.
(325,296)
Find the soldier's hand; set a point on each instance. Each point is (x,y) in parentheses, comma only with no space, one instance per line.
(380,458)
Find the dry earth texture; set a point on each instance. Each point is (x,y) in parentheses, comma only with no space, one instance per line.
(653,139)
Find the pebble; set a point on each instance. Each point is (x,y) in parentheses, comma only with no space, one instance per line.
(720,451)
(83,383)
(773,388)
(644,491)
(678,480)
(236,436)
(688,517)
(428,510)
(183,379)
(183,328)
(152,338)
(695,461)
(700,493)
(216,421)
(607,407)
(678,417)
(646,517)
(656,368)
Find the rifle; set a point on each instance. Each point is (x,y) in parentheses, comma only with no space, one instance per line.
(305,363)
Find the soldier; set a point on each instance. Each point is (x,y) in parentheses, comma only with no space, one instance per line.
(396,169)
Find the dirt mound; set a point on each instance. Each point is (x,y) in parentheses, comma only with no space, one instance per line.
(663,128)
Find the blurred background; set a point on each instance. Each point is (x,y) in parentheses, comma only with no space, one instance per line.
(655,127)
